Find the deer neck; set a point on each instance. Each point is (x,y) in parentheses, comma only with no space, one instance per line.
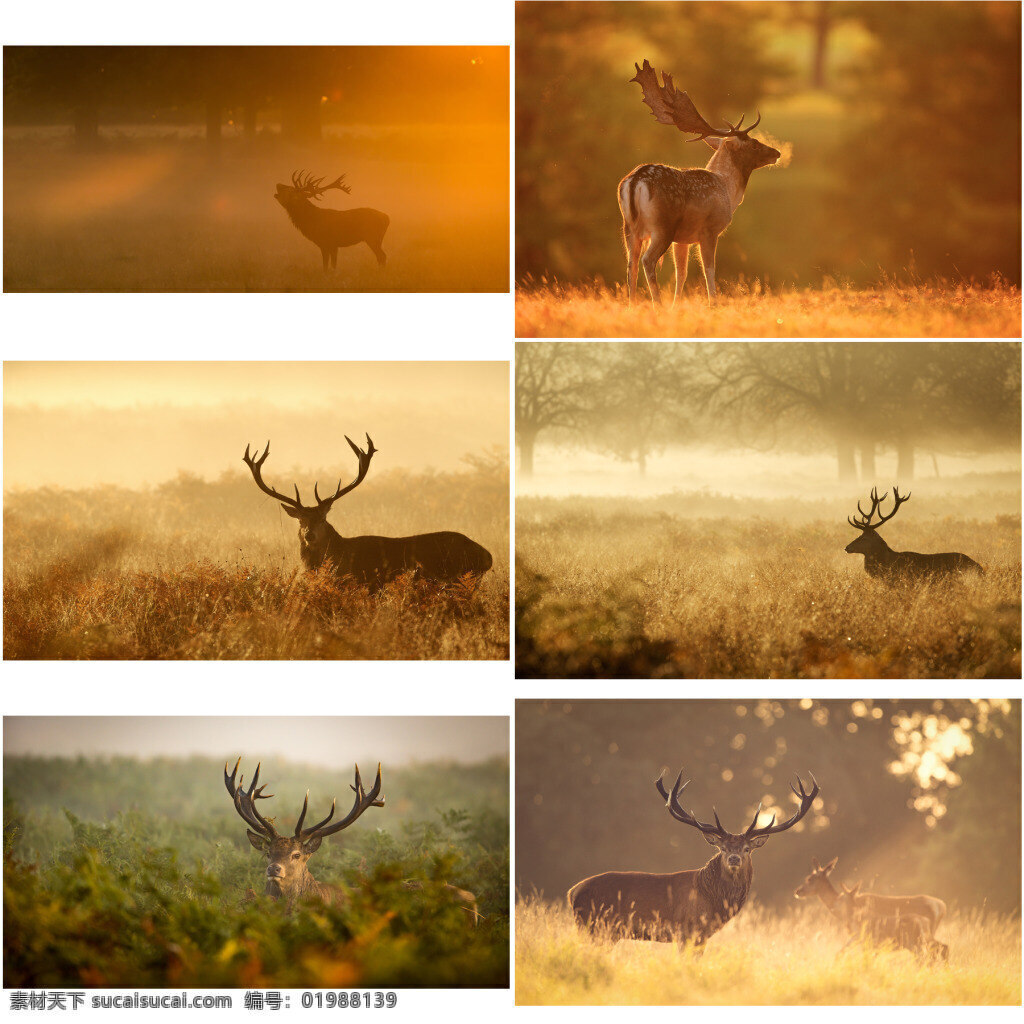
(316,548)
(828,895)
(723,894)
(879,557)
(734,177)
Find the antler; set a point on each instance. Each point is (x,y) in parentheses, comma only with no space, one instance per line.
(676,108)
(680,814)
(364,801)
(806,799)
(311,186)
(255,466)
(864,523)
(245,800)
(364,465)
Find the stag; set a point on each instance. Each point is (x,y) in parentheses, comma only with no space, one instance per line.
(665,206)
(331,229)
(287,875)
(444,557)
(894,567)
(688,906)
(907,922)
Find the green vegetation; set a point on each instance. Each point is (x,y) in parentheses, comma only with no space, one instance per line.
(763,958)
(707,586)
(131,874)
(192,569)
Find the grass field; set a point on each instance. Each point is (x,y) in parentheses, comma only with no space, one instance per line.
(210,570)
(706,586)
(122,873)
(743,310)
(763,958)
(145,215)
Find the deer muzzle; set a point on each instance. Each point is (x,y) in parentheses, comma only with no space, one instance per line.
(275,871)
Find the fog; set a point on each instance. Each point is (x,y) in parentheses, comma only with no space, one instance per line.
(143,423)
(326,742)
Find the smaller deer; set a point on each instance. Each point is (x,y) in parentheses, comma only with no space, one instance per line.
(896,923)
(331,229)
(894,567)
(665,206)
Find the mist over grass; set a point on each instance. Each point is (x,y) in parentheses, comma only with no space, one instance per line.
(763,958)
(704,586)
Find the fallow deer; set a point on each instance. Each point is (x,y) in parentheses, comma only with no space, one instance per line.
(685,906)
(895,567)
(907,922)
(331,230)
(287,876)
(444,557)
(675,206)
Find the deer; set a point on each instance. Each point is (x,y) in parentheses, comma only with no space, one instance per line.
(287,875)
(665,206)
(682,906)
(445,557)
(893,567)
(331,229)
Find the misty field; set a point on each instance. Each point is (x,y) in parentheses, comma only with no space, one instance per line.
(191,569)
(152,214)
(122,873)
(763,958)
(748,310)
(688,586)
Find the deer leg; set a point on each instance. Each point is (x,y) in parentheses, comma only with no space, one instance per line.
(656,248)
(334,259)
(633,246)
(708,245)
(681,257)
(378,252)
(326,256)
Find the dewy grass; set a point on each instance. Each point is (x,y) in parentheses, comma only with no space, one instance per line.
(763,958)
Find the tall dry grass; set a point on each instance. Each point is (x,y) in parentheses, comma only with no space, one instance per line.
(762,957)
(751,311)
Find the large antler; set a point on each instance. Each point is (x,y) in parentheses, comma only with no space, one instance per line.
(364,465)
(864,523)
(255,466)
(680,814)
(311,186)
(245,801)
(806,799)
(676,108)
(364,801)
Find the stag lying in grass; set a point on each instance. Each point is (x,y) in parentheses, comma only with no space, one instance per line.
(681,906)
(895,567)
(665,206)
(287,875)
(331,230)
(444,557)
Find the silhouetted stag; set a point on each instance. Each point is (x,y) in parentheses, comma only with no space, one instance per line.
(331,230)
(894,921)
(684,906)
(900,566)
(444,557)
(666,206)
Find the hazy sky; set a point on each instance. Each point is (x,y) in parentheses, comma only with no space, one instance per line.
(330,742)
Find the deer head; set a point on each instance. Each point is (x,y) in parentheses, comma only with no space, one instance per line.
(735,847)
(303,189)
(287,875)
(817,882)
(314,532)
(676,108)
(869,542)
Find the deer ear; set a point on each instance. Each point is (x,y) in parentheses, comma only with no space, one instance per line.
(713,141)
(713,840)
(758,842)
(830,865)
(293,512)
(312,845)
(261,843)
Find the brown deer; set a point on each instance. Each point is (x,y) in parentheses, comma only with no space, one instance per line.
(444,557)
(908,922)
(331,229)
(287,876)
(666,206)
(894,567)
(687,906)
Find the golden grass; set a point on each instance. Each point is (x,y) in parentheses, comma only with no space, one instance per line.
(610,590)
(891,311)
(763,958)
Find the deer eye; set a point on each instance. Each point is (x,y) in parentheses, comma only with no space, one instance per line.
(296,854)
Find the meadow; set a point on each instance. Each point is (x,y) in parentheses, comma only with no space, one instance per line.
(763,957)
(152,213)
(709,586)
(748,309)
(124,873)
(194,569)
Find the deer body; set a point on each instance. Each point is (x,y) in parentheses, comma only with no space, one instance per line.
(663,206)
(331,230)
(683,906)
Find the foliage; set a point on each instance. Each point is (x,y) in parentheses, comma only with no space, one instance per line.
(141,900)
(763,958)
